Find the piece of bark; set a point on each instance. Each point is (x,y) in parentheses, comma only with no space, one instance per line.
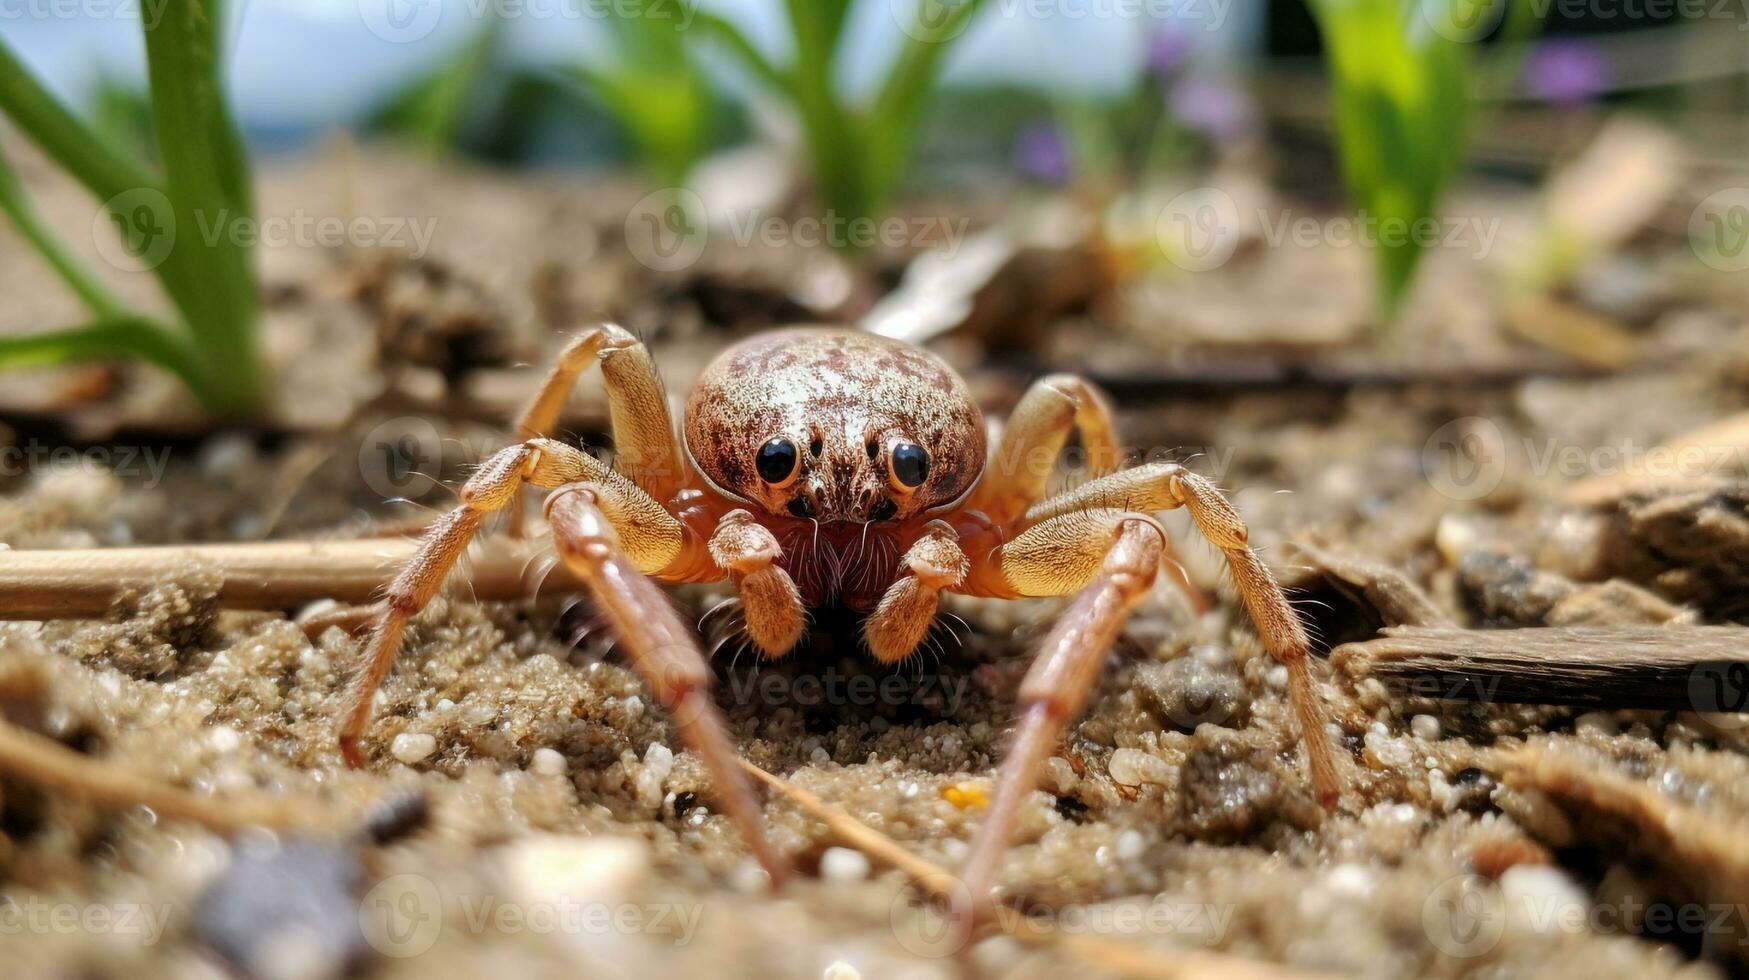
(1397,599)
(1683,668)
(1699,850)
(86,583)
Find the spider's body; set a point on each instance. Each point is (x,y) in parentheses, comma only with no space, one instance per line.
(815,467)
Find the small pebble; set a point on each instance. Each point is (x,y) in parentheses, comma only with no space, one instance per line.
(840,970)
(1425,727)
(1130,845)
(843,864)
(547,762)
(1595,723)
(413,747)
(1133,767)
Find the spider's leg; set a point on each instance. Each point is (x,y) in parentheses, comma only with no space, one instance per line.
(1022,463)
(661,648)
(1115,555)
(643,432)
(1165,486)
(541,462)
(900,622)
(747,552)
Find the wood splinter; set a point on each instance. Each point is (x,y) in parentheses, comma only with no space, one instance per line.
(1674,668)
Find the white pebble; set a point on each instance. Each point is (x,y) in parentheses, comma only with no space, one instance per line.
(1276,677)
(1391,753)
(1133,767)
(840,970)
(843,864)
(1425,727)
(1543,898)
(1130,845)
(413,747)
(1351,880)
(634,706)
(819,756)
(547,762)
(1595,723)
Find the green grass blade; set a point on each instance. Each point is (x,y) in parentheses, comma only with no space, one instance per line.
(892,121)
(429,112)
(101,165)
(105,339)
(209,271)
(837,151)
(730,37)
(29,222)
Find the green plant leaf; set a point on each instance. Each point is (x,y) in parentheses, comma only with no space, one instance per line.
(892,120)
(209,270)
(29,222)
(1401,95)
(107,338)
(103,167)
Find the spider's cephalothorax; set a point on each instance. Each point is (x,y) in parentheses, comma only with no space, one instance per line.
(833,466)
(838,441)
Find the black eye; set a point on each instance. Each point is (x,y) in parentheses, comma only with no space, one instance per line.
(910,464)
(777,461)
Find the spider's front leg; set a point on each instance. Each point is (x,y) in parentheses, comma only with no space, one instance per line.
(747,552)
(1120,553)
(899,623)
(584,516)
(1166,486)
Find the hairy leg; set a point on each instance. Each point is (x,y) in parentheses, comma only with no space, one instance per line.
(1164,486)
(1120,552)
(643,431)
(662,650)
(747,552)
(540,462)
(1023,461)
(907,609)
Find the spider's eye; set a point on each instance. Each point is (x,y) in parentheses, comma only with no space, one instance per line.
(777,461)
(910,466)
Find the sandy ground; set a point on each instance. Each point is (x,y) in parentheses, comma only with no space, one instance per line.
(565,830)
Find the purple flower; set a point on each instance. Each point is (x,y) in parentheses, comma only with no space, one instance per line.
(1168,48)
(1040,152)
(1211,105)
(1566,72)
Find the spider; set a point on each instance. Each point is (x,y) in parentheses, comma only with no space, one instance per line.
(818,466)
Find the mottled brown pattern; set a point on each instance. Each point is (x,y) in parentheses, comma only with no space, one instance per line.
(842,390)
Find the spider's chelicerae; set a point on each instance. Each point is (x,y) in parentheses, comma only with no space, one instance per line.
(821,466)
